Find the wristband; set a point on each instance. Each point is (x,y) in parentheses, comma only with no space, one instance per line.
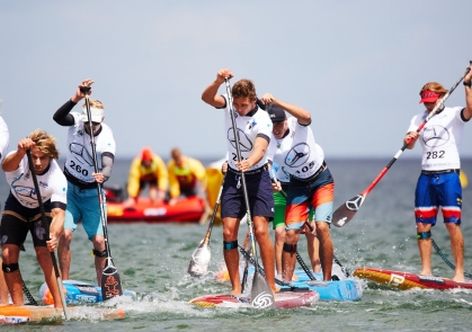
(469,84)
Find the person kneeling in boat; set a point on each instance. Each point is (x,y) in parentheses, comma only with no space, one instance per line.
(23,213)
(147,169)
(187,177)
(438,185)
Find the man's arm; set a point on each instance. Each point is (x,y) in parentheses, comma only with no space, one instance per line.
(210,94)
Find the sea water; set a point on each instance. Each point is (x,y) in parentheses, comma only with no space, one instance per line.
(152,260)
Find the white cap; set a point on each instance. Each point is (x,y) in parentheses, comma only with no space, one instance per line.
(97,114)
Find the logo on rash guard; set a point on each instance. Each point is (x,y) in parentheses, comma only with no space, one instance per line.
(81,154)
(298,155)
(435,136)
(245,143)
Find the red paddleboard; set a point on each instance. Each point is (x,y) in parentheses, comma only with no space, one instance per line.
(407,280)
(283,300)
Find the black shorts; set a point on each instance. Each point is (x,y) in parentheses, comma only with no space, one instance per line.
(18,220)
(259,190)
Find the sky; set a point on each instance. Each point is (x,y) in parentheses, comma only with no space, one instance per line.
(356,65)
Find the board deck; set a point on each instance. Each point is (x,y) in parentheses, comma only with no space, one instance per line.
(283,300)
(347,289)
(407,280)
(78,292)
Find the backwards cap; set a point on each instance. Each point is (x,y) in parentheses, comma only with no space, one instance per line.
(276,113)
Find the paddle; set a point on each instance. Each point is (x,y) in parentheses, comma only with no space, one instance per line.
(246,266)
(304,266)
(346,211)
(261,293)
(446,260)
(343,270)
(279,282)
(45,222)
(198,265)
(29,296)
(110,281)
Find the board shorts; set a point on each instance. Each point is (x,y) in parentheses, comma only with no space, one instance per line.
(18,220)
(259,191)
(280,205)
(83,206)
(436,190)
(316,194)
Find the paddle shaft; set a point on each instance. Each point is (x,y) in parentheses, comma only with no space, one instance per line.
(101,201)
(336,260)
(206,239)
(115,282)
(28,294)
(304,266)
(261,269)
(446,260)
(43,219)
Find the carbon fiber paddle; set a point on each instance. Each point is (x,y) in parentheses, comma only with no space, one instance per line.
(110,281)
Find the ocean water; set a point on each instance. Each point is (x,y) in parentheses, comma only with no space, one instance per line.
(152,260)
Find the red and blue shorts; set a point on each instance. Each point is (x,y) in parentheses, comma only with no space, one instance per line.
(438,190)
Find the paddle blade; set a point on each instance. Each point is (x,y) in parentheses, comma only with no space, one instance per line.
(261,294)
(346,212)
(198,265)
(111,282)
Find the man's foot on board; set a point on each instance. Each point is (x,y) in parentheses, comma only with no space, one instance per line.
(236,293)
(458,278)
(426,273)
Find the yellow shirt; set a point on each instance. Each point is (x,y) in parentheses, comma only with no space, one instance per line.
(138,173)
(188,176)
